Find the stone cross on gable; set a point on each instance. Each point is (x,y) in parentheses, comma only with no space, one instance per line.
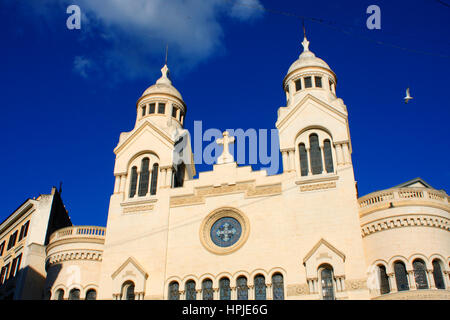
(226,156)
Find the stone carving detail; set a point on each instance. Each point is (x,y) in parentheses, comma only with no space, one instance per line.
(405,221)
(356,284)
(75,255)
(248,188)
(318,186)
(297,289)
(137,209)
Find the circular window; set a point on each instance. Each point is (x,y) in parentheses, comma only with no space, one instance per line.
(224,230)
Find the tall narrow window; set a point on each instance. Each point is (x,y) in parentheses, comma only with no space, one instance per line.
(401,277)
(437,275)
(174,112)
(12,240)
(60,294)
(303,159)
(384,280)
(128,290)
(154,182)
(278,286)
(161,108)
(2,247)
(15,267)
(174,291)
(144,177)
(179,175)
(2,275)
(308,82)
(191,294)
(151,108)
(207,290)
(74,294)
(242,288)
(91,294)
(315,154)
(420,274)
(144,108)
(260,287)
(318,81)
(328,156)
(298,84)
(326,281)
(224,288)
(24,230)
(133,182)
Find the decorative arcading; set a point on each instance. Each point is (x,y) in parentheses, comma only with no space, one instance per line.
(405,221)
(75,255)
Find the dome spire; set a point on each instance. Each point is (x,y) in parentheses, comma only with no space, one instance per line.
(305,42)
(164,76)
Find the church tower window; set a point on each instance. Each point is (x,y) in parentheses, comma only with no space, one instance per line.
(174,112)
(74,294)
(326,281)
(174,291)
(303,159)
(144,108)
(420,274)
(401,277)
(133,182)
(384,280)
(161,108)
(144,177)
(224,288)
(328,156)
(128,290)
(278,286)
(308,82)
(154,179)
(242,288)
(437,275)
(298,84)
(207,289)
(260,287)
(151,108)
(315,154)
(318,81)
(191,294)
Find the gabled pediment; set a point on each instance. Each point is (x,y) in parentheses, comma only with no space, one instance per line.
(132,271)
(129,266)
(303,104)
(414,183)
(160,134)
(323,253)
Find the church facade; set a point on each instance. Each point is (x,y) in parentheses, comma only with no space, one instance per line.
(238,234)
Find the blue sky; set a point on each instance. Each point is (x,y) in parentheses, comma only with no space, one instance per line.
(66,95)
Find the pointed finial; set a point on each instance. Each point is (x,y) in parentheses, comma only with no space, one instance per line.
(305,42)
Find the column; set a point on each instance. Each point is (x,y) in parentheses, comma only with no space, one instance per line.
(430,279)
(199,294)
(233,293)
(392,282)
(269,291)
(123,180)
(412,281)
(251,292)
(168,183)
(291,160)
(182,295)
(324,170)
(338,148)
(291,91)
(285,161)
(308,155)
(347,157)
(338,284)
(216,294)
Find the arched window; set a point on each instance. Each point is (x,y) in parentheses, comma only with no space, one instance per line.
(384,280)
(326,281)
(133,182)
(191,294)
(437,275)
(207,290)
(328,156)
(91,294)
(242,288)
(179,175)
(420,274)
(401,277)
(224,288)
(315,154)
(144,176)
(154,179)
(74,294)
(174,291)
(60,294)
(303,159)
(260,287)
(128,290)
(278,286)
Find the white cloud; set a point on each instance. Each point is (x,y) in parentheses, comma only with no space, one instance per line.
(82,66)
(134,33)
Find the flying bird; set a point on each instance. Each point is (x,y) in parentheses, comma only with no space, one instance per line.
(408,96)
